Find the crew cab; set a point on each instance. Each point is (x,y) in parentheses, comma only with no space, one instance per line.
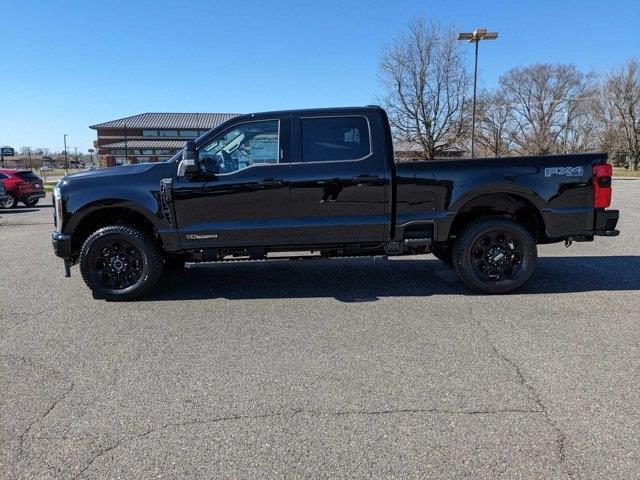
(324,181)
(21,186)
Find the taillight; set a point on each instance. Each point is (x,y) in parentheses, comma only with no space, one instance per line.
(602,185)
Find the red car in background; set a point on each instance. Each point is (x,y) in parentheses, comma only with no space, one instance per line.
(21,186)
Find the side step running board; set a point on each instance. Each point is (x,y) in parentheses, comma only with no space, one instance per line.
(306,258)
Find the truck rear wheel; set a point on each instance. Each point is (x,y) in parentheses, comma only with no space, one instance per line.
(495,255)
(120,263)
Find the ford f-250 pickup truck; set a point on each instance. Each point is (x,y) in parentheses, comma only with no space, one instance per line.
(324,181)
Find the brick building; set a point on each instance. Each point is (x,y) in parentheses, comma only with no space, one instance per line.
(150,137)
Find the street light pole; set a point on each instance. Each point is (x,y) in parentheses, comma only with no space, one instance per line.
(475,37)
(66,159)
(473,113)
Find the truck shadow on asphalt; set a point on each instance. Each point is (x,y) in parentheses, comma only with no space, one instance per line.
(367,280)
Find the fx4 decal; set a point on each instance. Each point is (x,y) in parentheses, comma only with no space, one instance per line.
(564,171)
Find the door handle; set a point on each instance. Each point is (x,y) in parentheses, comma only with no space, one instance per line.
(270,182)
(362,180)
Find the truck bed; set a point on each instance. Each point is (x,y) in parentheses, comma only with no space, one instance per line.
(558,186)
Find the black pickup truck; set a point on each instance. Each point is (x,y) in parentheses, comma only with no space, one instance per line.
(324,181)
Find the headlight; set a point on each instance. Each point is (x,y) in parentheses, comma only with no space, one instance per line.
(57,205)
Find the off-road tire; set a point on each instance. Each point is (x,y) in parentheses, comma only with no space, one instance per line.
(465,260)
(150,269)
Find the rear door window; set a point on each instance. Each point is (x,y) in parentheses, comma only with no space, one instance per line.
(326,139)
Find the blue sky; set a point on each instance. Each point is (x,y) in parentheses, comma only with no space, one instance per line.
(66,65)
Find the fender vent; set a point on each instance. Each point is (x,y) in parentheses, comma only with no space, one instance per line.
(165,199)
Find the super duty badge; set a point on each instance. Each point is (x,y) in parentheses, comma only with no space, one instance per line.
(564,171)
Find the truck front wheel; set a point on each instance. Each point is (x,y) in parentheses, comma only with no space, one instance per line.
(120,263)
(495,255)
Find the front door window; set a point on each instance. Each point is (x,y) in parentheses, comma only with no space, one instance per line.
(242,146)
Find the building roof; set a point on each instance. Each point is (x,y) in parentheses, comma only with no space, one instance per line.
(172,144)
(169,120)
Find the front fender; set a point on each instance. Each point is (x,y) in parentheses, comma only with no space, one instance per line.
(147,206)
(135,188)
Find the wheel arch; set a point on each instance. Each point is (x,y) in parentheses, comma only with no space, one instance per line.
(99,216)
(500,204)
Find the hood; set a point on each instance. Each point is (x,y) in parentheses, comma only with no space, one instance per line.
(111,171)
(114,176)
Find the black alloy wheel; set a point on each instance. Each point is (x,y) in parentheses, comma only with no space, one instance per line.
(117,263)
(495,255)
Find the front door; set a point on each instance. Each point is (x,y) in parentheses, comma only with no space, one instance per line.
(242,197)
(339,183)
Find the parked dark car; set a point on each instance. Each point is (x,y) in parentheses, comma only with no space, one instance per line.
(21,186)
(324,181)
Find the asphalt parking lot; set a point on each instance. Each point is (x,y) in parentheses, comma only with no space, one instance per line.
(343,368)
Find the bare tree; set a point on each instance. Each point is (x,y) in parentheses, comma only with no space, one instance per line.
(494,122)
(582,127)
(540,95)
(621,111)
(426,84)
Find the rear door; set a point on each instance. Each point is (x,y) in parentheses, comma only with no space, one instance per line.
(339,182)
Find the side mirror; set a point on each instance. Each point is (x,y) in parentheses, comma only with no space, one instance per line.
(189,163)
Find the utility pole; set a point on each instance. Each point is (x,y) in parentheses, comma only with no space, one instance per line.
(29,153)
(475,37)
(66,158)
(126,154)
